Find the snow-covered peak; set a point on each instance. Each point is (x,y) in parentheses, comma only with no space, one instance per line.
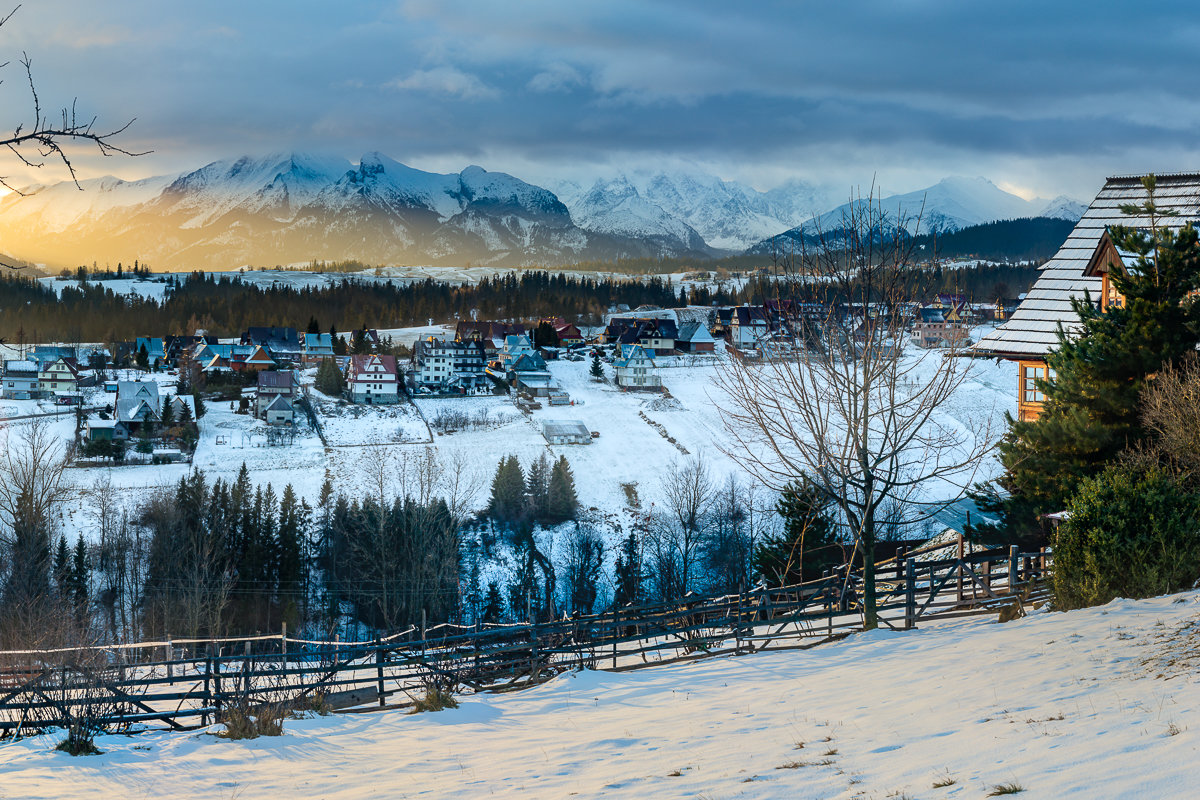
(1063,207)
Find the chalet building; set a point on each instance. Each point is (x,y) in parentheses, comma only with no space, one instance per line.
(280,411)
(934,327)
(634,367)
(491,335)
(316,346)
(1080,266)
(693,337)
(273,385)
(373,379)
(281,344)
(655,334)
(155,347)
(59,377)
(20,381)
(137,403)
(568,335)
(258,359)
(749,327)
(448,367)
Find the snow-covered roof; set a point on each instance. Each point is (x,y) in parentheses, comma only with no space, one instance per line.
(564,427)
(19,366)
(1031,329)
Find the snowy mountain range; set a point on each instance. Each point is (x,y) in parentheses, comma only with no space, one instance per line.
(951,204)
(294,207)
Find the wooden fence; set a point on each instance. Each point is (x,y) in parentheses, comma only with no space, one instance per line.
(188,683)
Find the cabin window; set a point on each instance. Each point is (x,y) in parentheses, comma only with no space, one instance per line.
(1029,378)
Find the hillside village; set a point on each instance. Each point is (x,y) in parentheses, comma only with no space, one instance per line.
(728,435)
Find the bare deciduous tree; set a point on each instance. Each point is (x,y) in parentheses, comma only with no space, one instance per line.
(836,395)
(41,136)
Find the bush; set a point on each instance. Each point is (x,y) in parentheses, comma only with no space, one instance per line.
(436,698)
(1133,531)
(240,723)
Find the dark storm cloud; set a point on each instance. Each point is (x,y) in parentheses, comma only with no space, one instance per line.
(937,86)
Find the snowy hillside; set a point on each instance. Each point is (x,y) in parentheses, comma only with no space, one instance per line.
(1093,704)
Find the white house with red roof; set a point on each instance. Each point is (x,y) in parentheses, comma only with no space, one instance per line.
(373,379)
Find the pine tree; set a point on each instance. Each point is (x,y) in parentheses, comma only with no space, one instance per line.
(185,413)
(143,359)
(808,544)
(628,577)
(62,569)
(597,371)
(79,576)
(562,504)
(508,492)
(329,378)
(1091,407)
(289,555)
(167,415)
(313,326)
(537,488)
(199,404)
(493,604)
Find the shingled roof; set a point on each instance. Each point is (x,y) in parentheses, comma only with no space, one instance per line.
(1030,332)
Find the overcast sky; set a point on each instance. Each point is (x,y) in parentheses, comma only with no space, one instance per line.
(1041,97)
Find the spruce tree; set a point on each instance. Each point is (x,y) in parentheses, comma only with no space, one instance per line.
(329,378)
(1091,410)
(199,404)
(167,414)
(313,326)
(143,359)
(289,555)
(79,577)
(808,544)
(62,569)
(562,504)
(597,370)
(537,488)
(508,492)
(628,577)
(493,604)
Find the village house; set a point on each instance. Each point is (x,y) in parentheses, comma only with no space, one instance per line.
(694,337)
(20,380)
(491,335)
(749,327)
(155,349)
(1080,268)
(655,334)
(934,329)
(635,369)
(137,403)
(316,346)
(274,385)
(60,377)
(281,344)
(373,379)
(448,367)
(568,334)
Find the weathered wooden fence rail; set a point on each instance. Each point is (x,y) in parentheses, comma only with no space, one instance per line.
(189,683)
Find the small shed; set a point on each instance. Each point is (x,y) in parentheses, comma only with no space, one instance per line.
(566,431)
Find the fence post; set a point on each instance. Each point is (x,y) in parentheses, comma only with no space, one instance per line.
(910,594)
(737,627)
(170,654)
(960,568)
(616,611)
(829,602)
(1012,569)
(246,670)
(283,649)
(207,687)
(217,684)
(379,668)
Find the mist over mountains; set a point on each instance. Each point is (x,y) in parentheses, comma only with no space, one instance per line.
(295,207)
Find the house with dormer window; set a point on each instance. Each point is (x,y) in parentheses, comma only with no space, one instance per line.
(1080,270)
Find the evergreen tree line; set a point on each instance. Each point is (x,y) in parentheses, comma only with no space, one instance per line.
(226,306)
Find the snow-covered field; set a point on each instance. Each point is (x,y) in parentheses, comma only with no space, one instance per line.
(1092,704)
